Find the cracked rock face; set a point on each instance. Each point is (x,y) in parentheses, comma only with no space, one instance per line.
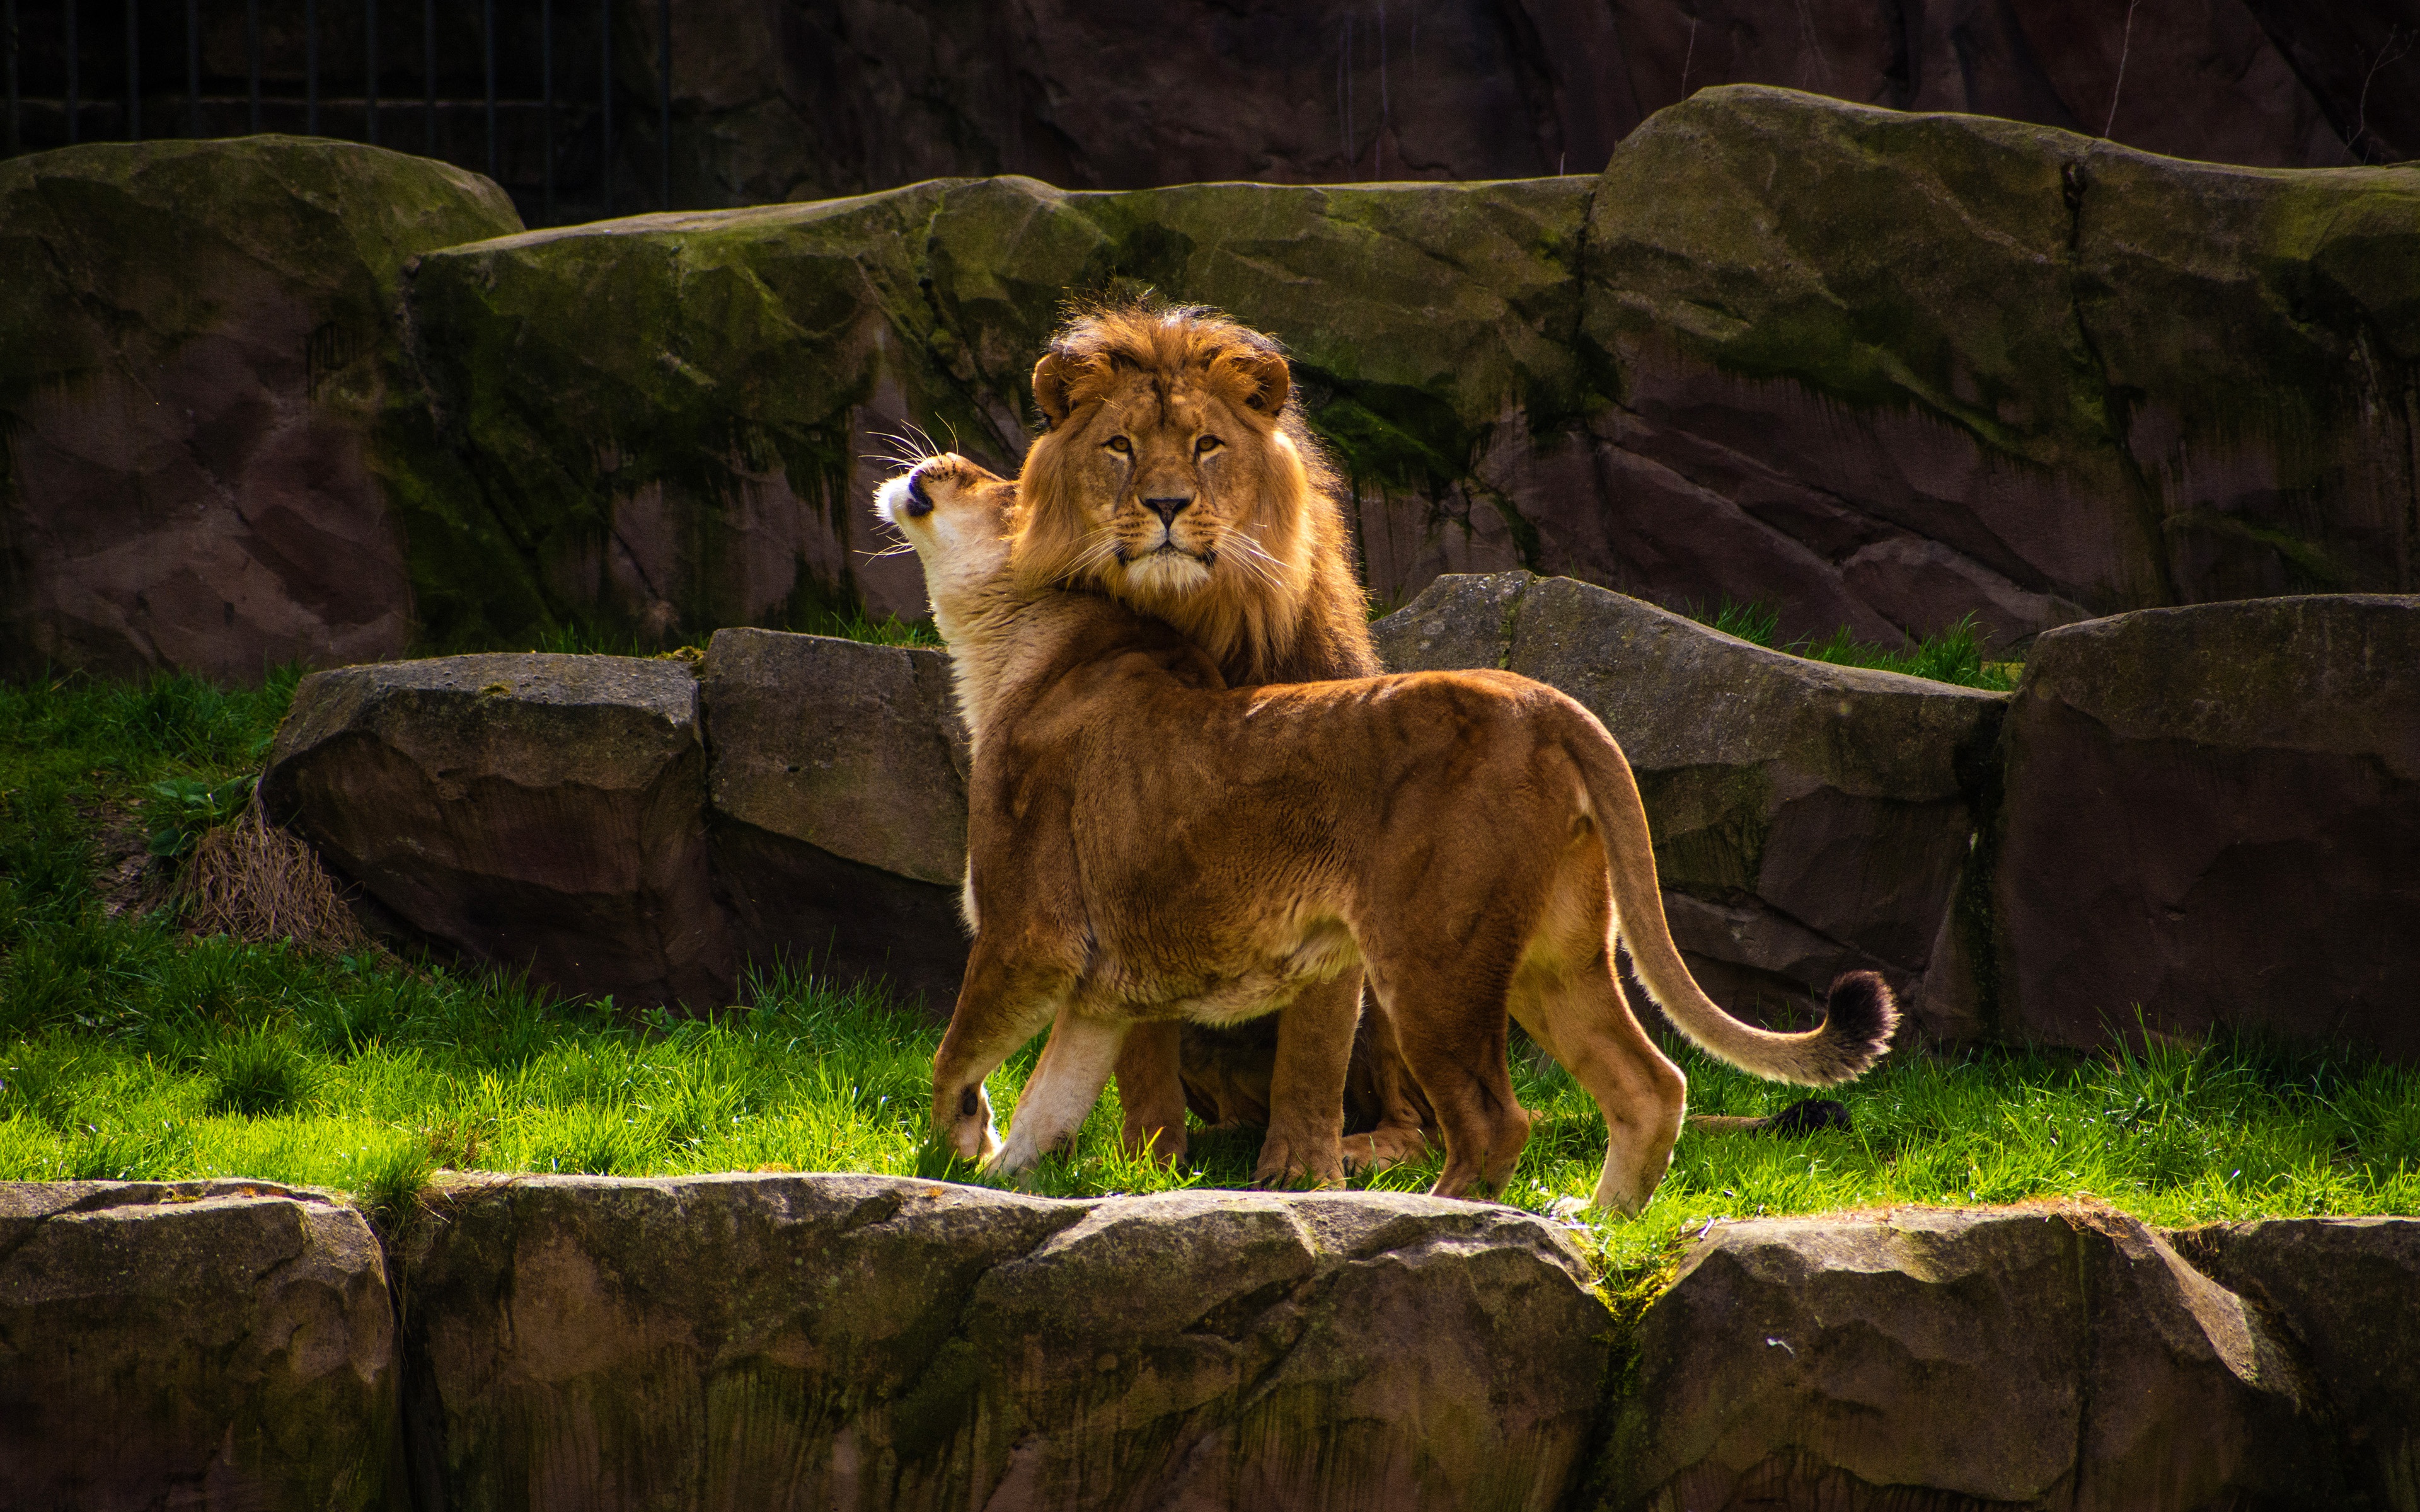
(872,1341)
(197,342)
(212,1344)
(1808,819)
(837,782)
(2051,1358)
(2213,812)
(2342,1289)
(543,811)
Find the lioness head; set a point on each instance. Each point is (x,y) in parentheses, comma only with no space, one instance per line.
(958,515)
(1176,476)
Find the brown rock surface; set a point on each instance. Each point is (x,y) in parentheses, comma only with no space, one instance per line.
(545,811)
(2344,1288)
(2213,814)
(737,1341)
(217,1345)
(837,781)
(2052,1358)
(197,342)
(1809,819)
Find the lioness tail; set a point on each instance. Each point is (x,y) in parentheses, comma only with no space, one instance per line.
(1859,1017)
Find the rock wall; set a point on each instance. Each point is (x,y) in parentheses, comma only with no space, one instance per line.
(200,342)
(1944,364)
(2208,814)
(1936,368)
(875,1342)
(776,100)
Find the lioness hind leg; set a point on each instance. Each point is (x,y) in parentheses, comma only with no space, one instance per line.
(1584,1020)
(1451,1027)
(1066,1082)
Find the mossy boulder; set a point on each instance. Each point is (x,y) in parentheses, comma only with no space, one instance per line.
(2065,1358)
(675,422)
(198,346)
(2342,1289)
(2212,819)
(214,1344)
(1951,363)
(883,1342)
(546,812)
(1808,819)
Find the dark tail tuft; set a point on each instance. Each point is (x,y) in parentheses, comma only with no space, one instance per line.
(1858,1019)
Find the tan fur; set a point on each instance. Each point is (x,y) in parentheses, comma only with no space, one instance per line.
(1149,845)
(1248,556)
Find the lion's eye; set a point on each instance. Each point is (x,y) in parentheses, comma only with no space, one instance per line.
(1206,445)
(1120,445)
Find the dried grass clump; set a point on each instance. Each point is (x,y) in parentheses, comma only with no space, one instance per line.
(254,881)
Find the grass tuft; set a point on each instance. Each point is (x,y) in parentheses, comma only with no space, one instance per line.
(1952,654)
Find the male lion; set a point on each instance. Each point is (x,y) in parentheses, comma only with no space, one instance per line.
(1146,845)
(1177,476)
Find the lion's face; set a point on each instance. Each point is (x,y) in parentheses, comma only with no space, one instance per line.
(1165,476)
(958,515)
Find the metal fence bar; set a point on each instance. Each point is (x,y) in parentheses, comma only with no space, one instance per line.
(311,66)
(369,68)
(16,137)
(605,98)
(134,75)
(72,111)
(193,67)
(664,83)
(429,73)
(487,31)
(251,57)
(545,67)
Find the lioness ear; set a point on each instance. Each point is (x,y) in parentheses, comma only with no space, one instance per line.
(1259,381)
(1055,381)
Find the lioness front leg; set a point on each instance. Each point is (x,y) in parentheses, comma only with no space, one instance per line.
(1305,1136)
(999,1007)
(1073,1069)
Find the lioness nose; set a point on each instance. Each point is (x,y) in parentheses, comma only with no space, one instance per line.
(1166,508)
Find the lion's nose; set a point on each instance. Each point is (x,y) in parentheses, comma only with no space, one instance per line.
(1166,508)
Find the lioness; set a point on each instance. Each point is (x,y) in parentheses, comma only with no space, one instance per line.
(1177,476)
(1147,844)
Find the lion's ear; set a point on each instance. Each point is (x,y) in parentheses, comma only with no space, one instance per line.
(1258,381)
(1056,380)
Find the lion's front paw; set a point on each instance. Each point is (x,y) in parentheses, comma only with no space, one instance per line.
(1285,1164)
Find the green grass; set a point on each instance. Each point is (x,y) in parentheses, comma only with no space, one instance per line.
(1954,655)
(129,1050)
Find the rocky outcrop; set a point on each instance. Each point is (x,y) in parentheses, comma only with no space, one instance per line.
(870,1341)
(1808,819)
(208,1344)
(1685,378)
(542,811)
(773,101)
(2341,1288)
(2213,815)
(2060,1358)
(836,779)
(198,341)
